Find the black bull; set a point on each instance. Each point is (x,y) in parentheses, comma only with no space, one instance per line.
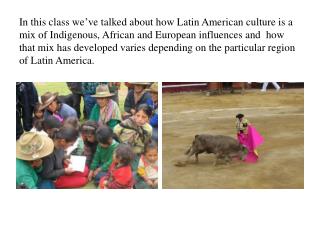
(223,147)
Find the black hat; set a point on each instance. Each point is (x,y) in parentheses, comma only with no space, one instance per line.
(239,115)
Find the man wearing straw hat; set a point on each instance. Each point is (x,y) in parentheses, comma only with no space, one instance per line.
(135,97)
(106,111)
(30,149)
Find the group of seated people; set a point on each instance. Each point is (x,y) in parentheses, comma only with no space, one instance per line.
(121,149)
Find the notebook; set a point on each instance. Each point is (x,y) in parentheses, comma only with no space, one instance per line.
(77,163)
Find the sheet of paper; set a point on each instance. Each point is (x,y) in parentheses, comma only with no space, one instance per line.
(73,147)
(77,163)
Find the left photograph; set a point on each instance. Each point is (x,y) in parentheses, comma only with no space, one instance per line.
(88,135)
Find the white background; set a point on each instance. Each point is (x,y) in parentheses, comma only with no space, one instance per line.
(170,214)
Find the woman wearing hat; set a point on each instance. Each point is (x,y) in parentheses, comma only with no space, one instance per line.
(54,107)
(89,89)
(106,111)
(30,149)
(154,104)
(135,97)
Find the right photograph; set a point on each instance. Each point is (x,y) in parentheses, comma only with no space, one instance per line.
(233,135)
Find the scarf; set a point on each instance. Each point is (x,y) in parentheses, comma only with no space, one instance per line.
(131,124)
(111,111)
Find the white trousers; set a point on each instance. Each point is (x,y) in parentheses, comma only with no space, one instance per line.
(265,85)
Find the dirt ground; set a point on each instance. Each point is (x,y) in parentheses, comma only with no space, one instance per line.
(278,116)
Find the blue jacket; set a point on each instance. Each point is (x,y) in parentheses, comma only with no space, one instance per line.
(65,111)
(154,117)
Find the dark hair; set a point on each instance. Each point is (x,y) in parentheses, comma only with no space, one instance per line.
(104,134)
(239,115)
(144,86)
(37,123)
(73,122)
(89,127)
(145,108)
(125,154)
(58,100)
(150,145)
(36,108)
(69,134)
(51,122)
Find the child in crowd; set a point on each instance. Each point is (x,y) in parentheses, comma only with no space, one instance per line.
(88,133)
(38,116)
(136,131)
(56,166)
(103,157)
(119,175)
(249,137)
(50,124)
(73,122)
(148,168)
(77,147)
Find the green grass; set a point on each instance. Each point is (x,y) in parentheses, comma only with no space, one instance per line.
(60,87)
(90,185)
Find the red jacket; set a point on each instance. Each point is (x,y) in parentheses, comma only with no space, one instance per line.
(118,177)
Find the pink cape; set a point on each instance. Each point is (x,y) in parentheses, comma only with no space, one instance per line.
(251,141)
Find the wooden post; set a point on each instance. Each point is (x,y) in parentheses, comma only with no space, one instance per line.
(215,86)
(239,85)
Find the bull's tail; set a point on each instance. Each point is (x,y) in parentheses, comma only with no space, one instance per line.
(188,151)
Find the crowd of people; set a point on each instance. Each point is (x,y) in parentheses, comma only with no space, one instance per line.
(120,147)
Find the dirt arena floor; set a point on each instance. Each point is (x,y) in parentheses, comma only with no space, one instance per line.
(278,116)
